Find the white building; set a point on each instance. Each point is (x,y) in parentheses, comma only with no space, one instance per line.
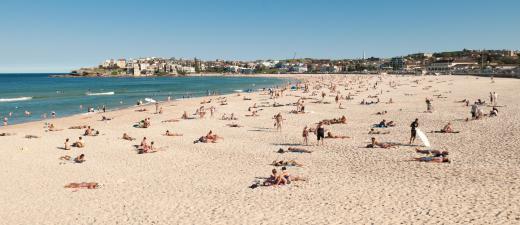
(121,63)
(450,65)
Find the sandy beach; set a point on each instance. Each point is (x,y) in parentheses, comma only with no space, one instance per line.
(209,183)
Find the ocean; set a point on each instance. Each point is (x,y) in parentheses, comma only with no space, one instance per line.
(41,94)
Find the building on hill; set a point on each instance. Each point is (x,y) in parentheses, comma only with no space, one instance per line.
(450,65)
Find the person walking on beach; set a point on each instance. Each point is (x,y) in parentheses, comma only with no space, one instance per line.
(495,96)
(156,107)
(413,132)
(5,121)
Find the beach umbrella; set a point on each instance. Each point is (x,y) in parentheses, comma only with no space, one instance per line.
(423,138)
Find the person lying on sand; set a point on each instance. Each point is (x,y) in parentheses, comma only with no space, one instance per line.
(432,159)
(79,143)
(104,118)
(171,134)
(372,131)
(127,137)
(170,121)
(341,120)
(53,128)
(375,144)
(233,125)
(30,136)
(330,135)
(382,113)
(286,163)
(141,110)
(78,127)
(6,134)
(289,178)
(435,153)
(294,149)
(83,185)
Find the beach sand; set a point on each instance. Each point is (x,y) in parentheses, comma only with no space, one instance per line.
(187,183)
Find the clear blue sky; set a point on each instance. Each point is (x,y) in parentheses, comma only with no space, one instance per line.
(59,35)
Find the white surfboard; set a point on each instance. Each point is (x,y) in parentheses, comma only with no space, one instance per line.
(423,138)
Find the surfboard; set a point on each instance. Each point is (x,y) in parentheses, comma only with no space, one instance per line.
(423,138)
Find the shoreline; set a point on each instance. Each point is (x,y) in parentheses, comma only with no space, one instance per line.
(79,114)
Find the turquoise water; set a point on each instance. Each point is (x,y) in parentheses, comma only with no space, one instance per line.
(41,94)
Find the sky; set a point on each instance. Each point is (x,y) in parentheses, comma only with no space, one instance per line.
(61,35)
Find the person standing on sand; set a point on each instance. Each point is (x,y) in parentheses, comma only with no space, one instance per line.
(495,96)
(413,132)
(156,107)
(5,121)
(429,107)
(320,133)
(305,135)
(278,121)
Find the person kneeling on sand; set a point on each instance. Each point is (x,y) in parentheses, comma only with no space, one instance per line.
(79,143)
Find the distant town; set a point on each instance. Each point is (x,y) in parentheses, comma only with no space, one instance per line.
(477,62)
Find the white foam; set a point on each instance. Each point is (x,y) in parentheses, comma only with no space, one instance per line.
(15,99)
(100,93)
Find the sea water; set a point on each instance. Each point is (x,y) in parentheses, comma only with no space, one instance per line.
(42,94)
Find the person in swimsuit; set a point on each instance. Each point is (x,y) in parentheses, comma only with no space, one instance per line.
(80,159)
(413,132)
(305,135)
